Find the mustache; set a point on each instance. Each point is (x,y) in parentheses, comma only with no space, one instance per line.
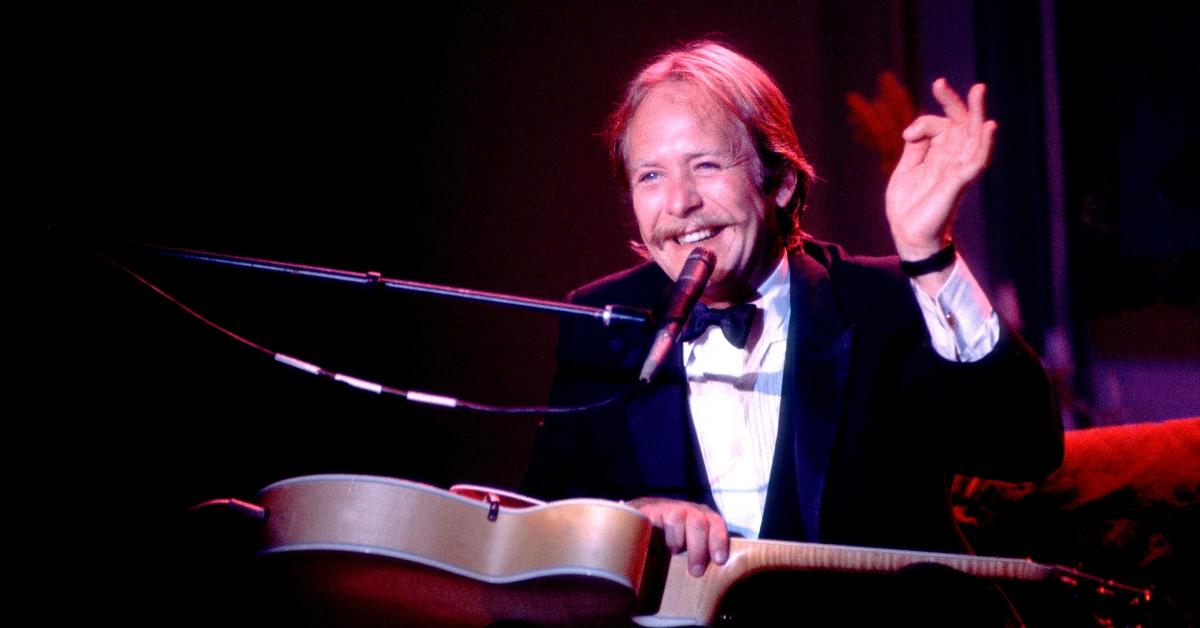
(661,234)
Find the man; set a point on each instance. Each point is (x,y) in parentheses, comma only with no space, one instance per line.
(857,391)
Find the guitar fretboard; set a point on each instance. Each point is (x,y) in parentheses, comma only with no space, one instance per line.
(759,555)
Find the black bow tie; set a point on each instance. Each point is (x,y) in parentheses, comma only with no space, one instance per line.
(734,322)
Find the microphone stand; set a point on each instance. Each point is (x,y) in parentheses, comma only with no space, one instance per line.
(608,315)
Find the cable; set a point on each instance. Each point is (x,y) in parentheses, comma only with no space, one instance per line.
(413,396)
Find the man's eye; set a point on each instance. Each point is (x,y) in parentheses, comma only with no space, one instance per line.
(647,177)
(708,165)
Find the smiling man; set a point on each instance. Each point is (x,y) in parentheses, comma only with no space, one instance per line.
(695,179)
(815,396)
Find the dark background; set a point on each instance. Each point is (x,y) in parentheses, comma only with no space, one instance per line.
(460,146)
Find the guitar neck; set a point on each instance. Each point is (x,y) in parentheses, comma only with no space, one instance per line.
(774,555)
(688,600)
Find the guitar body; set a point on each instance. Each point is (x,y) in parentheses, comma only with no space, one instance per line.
(373,550)
(364,550)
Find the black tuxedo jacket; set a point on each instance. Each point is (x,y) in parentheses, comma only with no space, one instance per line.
(873,423)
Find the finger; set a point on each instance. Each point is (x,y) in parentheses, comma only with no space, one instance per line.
(718,539)
(925,127)
(650,510)
(951,103)
(989,142)
(977,154)
(975,104)
(914,153)
(697,542)
(673,521)
(983,152)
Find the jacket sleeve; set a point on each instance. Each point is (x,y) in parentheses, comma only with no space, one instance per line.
(994,418)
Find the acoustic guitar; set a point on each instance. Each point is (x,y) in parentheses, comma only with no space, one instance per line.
(388,550)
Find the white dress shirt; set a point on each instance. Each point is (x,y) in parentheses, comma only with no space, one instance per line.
(735,394)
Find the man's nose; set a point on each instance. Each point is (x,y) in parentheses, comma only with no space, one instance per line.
(685,198)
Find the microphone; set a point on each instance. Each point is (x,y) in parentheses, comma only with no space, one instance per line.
(688,288)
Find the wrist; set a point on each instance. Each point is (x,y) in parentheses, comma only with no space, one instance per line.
(936,261)
(916,249)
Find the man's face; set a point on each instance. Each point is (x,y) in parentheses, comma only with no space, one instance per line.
(695,180)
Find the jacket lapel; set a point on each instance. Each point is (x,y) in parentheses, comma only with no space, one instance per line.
(816,372)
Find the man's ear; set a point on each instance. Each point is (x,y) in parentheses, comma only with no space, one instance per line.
(786,187)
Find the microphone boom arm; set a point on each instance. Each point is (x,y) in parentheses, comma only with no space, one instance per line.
(608,315)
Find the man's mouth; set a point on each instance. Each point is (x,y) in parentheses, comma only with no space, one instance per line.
(699,235)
